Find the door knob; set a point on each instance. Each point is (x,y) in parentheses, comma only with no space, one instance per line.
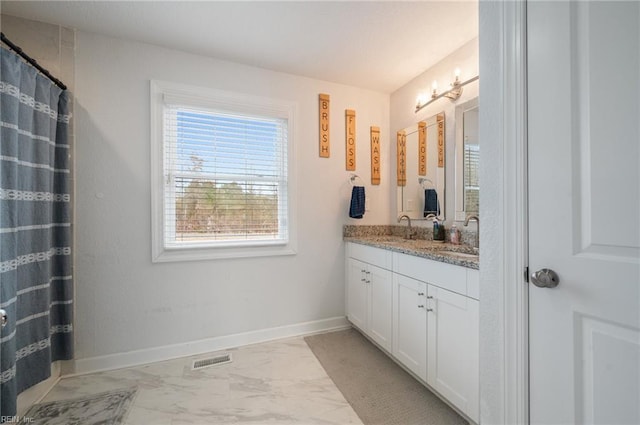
(545,278)
(3,318)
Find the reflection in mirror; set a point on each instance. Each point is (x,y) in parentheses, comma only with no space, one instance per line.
(467,160)
(424,188)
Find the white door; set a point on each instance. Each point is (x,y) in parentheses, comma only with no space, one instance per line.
(410,324)
(584,213)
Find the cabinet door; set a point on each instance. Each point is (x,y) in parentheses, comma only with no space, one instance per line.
(357,293)
(410,324)
(453,353)
(381,305)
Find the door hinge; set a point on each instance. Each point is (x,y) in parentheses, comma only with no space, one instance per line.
(526,274)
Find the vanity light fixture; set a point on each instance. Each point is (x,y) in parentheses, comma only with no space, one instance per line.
(453,93)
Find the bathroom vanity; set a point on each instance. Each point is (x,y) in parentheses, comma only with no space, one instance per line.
(419,302)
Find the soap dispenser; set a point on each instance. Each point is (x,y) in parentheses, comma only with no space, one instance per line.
(438,231)
(454,235)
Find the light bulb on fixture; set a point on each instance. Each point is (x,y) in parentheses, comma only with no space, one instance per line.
(434,89)
(456,89)
(421,100)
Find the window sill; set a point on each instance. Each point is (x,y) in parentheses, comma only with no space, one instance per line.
(164,255)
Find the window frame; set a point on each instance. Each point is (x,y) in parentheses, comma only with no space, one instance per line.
(162,93)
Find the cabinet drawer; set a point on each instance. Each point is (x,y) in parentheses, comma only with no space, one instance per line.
(447,276)
(368,254)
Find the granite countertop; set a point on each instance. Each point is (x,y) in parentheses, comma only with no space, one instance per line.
(459,255)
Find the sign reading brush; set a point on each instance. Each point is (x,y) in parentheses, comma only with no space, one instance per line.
(440,120)
(324,125)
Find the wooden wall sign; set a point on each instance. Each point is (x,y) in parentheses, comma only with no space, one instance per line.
(324,125)
(440,120)
(422,148)
(375,155)
(350,137)
(402,158)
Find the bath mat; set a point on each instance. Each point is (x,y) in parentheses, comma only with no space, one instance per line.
(108,408)
(380,391)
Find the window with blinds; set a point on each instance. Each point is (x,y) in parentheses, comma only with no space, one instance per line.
(224,174)
(226,177)
(471,174)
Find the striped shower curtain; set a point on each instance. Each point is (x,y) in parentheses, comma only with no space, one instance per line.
(36,287)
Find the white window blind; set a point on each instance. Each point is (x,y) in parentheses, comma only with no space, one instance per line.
(471,175)
(225,178)
(471,165)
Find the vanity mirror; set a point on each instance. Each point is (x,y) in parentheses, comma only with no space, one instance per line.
(467,158)
(424,170)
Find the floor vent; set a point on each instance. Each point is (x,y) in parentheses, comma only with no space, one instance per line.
(211,361)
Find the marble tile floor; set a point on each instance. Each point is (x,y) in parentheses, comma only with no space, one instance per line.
(277,382)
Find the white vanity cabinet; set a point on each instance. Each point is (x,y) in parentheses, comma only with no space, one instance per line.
(436,337)
(424,313)
(453,348)
(448,308)
(410,324)
(357,293)
(369,296)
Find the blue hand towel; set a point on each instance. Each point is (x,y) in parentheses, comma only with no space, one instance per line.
(431,203)
(356,210)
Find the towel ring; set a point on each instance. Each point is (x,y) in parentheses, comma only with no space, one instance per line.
(353,178)
(423,180)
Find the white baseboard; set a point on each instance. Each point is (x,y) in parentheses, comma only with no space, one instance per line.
(168,352)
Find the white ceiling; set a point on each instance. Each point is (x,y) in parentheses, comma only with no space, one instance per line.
(378,45)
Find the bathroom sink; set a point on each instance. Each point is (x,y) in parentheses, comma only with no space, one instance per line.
(458,254)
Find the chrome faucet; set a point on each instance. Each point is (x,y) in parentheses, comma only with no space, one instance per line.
(466,223)
(472,217)
(409,233)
